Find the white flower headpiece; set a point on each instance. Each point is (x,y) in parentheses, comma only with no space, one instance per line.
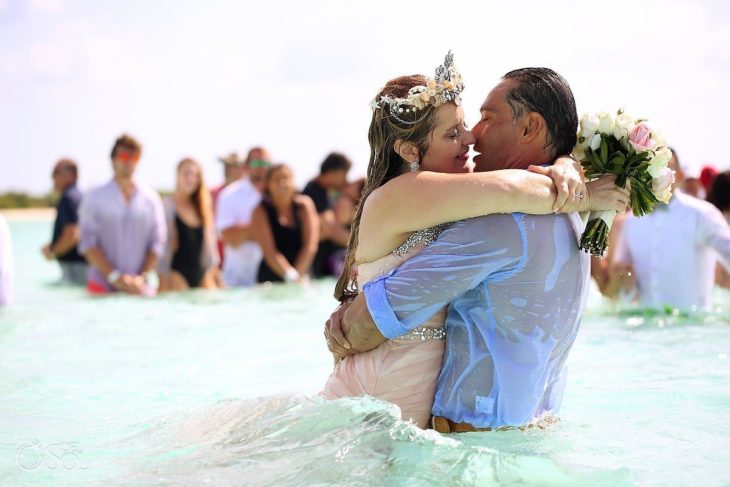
(446,86)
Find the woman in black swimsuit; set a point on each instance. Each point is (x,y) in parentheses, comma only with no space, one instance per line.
(192,254)
(286,227)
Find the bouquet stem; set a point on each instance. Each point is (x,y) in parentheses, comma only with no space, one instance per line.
(595,236)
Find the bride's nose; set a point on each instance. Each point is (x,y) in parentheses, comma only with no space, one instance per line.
(469,138)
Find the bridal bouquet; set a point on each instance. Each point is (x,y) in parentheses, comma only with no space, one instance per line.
(635,153)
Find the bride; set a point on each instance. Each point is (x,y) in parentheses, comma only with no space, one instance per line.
(418,180)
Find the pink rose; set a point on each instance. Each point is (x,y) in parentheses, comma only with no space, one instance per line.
(640,138)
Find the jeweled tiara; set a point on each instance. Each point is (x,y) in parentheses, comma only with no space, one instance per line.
(444,87)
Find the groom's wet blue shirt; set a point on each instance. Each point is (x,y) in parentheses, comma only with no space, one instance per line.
(517,285)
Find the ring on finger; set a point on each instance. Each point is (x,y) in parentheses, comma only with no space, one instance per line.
(579,195)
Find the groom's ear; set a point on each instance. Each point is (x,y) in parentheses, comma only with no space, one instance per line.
(533,126)
(407,150)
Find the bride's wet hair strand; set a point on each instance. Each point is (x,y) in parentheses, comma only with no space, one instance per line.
(385,163)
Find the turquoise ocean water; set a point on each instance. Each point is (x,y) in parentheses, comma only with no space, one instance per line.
(220,389)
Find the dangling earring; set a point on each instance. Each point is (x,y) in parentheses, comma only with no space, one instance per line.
(415,166)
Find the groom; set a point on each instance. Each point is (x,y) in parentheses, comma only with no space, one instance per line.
(516,283)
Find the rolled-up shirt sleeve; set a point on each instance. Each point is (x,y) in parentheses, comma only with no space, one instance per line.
(88,225)
(463,256)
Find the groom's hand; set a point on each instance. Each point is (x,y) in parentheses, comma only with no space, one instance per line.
(351,329)
(359,327)
(567,175)
(333,334)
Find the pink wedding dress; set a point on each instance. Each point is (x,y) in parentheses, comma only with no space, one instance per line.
(403,371)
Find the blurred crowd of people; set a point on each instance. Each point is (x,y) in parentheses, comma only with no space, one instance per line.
(258,227)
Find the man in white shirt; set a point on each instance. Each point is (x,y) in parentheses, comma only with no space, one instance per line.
(6,264)
(673,251)
(233,221)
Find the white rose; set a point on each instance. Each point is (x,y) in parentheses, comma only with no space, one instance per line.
(665,195)
(595,142)
(588,125)
(659,162)
(623,125)
(605,123)
(658,138)
(663,181)
(583,145)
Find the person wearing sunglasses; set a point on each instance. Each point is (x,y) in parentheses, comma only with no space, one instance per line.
(122,225)
(234,214)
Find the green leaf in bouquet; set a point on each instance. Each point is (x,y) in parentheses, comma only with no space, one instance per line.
(604,148)
(631,151)
(645,157)
(642,197)
(597,162)
(618,160)
(634,204)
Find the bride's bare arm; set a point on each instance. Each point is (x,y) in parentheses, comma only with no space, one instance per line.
(419,200)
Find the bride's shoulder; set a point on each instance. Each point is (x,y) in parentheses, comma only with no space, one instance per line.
(378,202)
(380,229)
(393,191)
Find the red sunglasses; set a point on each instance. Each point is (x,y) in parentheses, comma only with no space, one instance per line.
(127,156)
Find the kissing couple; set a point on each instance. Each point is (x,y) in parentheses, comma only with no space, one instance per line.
(463,291)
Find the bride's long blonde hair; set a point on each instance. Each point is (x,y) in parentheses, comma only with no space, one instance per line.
(385,163)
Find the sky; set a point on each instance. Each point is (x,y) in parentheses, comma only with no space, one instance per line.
(202,79)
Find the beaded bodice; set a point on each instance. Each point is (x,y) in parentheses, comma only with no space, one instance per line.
(433,328)
(425,236)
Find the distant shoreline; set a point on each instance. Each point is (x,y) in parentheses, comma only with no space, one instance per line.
(15,214)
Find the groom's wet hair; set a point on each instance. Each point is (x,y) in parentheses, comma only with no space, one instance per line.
(544,91)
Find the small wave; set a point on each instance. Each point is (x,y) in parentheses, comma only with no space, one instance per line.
(298,440)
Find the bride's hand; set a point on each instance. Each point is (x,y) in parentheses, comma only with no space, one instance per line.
(601,194)
(567,175)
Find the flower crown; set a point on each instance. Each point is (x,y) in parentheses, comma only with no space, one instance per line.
(446,86)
